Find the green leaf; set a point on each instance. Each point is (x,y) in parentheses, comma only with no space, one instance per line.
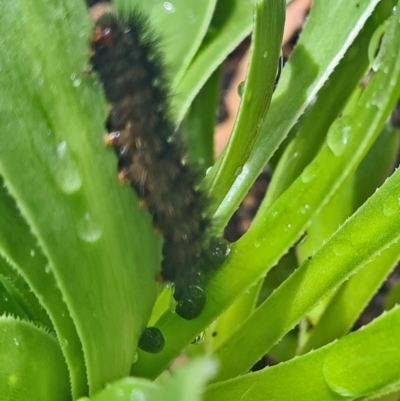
(353,296)
(346,251)
(185,384)
(181,26)
(393,297)
(316,55)
(20,248)
(327,106)
(199,125)
(274,232)
(348,140)
(269,18)
(231,23)
(32,365)
(57,169)
(362,363)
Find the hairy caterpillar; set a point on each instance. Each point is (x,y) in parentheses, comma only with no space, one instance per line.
(126,57)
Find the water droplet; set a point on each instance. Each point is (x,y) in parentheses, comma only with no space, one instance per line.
(265,54)
(168,7)
(199,338)
(87,230)
(289,226)
(16,341)
(76,82)
(338,137)
(32,253)
(309,173)
(137,395)
(391,206)
(305,208)
(65,170)
(135,358)
(47,269)
(64,343)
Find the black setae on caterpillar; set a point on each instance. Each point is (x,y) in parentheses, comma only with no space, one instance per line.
(126,57)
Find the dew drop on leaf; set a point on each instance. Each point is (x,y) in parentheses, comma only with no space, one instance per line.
(88,230)
(338,137)
(309,174)
(168,7)
(305,208)
(137,395)
(65,170)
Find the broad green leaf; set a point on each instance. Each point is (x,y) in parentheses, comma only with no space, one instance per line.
(181,26)
(316,55)
(364,362)
(32,365)
(100,246)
